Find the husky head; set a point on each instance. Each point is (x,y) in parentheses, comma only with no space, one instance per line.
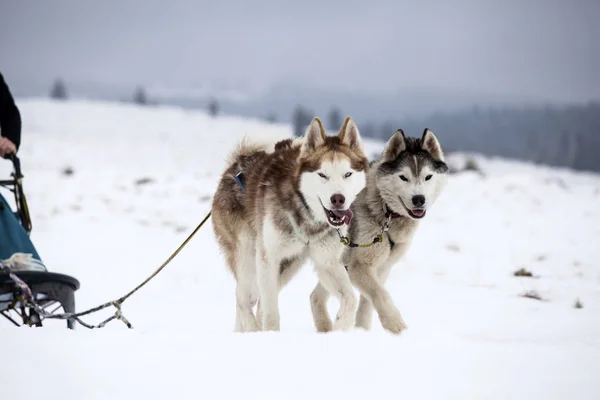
(332,171)
(411,173)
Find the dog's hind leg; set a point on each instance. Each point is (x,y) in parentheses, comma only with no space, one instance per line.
(274,248)
(267,270)
(318,306)
(267,273)
(364,315)
(246,298)
(287,270)
(246,292)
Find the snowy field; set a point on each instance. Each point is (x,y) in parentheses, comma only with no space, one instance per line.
(142,178)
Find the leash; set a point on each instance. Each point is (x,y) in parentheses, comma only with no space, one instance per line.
(27,297)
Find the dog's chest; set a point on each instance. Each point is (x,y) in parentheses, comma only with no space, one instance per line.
(306,230)
(401,231)
(398,238)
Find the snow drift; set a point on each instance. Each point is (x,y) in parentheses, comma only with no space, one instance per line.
(113,189)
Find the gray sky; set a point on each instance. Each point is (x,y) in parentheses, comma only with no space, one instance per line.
(547,48)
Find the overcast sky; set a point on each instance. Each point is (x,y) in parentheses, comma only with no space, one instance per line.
(548,48)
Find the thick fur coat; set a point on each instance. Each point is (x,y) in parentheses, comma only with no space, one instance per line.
(286,207)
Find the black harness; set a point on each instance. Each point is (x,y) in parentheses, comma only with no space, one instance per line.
(389,213)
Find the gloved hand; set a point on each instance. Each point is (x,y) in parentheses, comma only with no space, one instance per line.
(6,147)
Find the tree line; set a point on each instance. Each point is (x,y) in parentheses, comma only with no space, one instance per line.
(566,136)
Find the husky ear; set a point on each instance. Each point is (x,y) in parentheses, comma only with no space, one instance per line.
(395,145)
(430,144)
(349,134)
(314,136)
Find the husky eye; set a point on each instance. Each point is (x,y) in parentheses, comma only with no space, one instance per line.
(348,174)
(405,179)
(322,175)
(428,177)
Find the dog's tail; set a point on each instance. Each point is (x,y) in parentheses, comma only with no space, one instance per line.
(248,147)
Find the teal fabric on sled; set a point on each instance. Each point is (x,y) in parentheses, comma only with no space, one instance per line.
(13,238)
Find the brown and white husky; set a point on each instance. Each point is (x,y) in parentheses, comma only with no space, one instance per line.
(275,208)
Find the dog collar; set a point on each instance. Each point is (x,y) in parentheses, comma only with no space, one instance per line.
(389,213)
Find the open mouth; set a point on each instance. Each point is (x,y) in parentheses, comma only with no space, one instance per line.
(338,217)
(416,213)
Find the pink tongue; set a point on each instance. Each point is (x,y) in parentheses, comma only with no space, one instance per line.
(418,213)
(340,213)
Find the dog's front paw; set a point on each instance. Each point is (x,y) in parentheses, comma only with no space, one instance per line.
(344,323)
(364,315)
(393,322)
(252,325)
(270,322)
(318,302)
(323,324)
(364,322)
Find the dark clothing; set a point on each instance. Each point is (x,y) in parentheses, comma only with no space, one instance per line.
(10,118)
(13,237)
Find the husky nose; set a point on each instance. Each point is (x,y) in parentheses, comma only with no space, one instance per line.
(338,200)
(418,200)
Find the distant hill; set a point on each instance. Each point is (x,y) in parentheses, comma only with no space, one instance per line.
(566,136)
(521,128)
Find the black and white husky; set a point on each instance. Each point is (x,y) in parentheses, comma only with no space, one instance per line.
(401,186)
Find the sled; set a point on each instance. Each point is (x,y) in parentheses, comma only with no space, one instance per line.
(49,290)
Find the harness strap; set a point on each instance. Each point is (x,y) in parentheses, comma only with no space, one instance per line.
(239,177)
(345,240)
(392,243)
(389,215)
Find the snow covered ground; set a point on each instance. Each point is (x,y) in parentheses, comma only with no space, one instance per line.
(142,178)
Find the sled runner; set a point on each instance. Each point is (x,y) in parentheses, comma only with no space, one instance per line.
(22,274)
